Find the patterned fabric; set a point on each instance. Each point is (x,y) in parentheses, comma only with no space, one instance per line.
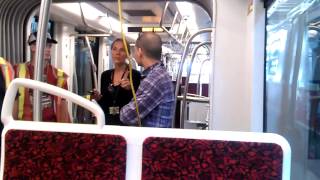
(48,155)
(6,71)
(170,158)
(155,100)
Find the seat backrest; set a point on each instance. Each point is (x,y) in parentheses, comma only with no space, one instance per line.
(39,150)
(61,150)
(46,150)
(181,158)
(62,155)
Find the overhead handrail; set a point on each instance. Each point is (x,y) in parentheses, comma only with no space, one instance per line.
(164,12)
(183,34)
(174,19)
(186,87)
(164,28)
(185,52)
(41,43)
(92,35)
(86,24)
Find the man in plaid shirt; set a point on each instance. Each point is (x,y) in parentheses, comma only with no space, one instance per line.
(155,95)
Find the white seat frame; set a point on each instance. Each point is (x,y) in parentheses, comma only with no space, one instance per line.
(134,136)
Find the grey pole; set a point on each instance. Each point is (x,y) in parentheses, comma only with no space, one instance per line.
(93,66)
(41,43)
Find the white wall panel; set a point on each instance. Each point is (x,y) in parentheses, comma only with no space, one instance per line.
(237,68)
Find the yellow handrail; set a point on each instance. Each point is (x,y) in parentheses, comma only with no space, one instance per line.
(130,64)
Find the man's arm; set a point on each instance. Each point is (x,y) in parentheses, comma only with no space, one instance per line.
(148,97)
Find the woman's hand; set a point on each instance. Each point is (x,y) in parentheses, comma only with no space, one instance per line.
(96,95)
(125,84)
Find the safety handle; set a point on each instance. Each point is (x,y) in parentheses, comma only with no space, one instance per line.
(7,108)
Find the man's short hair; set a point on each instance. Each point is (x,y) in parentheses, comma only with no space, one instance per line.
(151,44)
(33,38)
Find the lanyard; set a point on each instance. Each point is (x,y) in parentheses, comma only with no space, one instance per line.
(114,90)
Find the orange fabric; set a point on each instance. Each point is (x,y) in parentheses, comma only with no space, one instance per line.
(7,71)
(48,114)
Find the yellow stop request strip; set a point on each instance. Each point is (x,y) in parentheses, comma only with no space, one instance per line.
(130,63)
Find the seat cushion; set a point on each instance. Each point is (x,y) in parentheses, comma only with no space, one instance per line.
(57,155)
(177,158)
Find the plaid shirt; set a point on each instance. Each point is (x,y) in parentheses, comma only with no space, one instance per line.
(155,100)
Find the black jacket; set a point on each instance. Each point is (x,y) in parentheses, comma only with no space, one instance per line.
(115,96)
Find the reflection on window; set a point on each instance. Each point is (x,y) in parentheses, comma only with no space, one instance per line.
(292,98)
(275,48)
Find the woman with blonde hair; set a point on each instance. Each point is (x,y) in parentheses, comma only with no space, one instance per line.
(115,85)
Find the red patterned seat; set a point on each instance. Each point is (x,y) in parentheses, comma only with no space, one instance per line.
(63,155)
(181,158)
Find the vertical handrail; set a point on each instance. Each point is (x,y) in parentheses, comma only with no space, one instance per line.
(41,43)
(206,30)
(93,65)
(199,77)
(83,19)
(186,87)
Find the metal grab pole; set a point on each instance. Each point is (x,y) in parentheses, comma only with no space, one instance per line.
(41,43)
(206,30)
(199,77)
(186,87)
(93,66)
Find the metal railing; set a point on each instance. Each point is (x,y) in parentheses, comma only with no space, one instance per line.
(186,87)
(179,75)
(199,77)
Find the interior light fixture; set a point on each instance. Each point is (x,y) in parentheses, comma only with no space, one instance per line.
(147,29)
(157,29)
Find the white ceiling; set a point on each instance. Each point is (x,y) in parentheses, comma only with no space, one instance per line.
(110,9)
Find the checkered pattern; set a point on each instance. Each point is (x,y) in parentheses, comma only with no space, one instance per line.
(155,100)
